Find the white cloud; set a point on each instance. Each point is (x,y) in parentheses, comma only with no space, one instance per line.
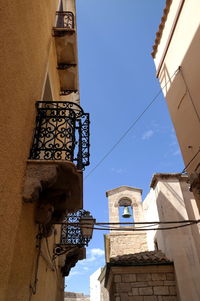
(148,134)
(73,273)
(95,258)
(97,252)
(93,255)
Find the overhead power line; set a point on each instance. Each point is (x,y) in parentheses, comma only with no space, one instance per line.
(165,225)
(169,225)
(151,223)
(130,127)
(136,229)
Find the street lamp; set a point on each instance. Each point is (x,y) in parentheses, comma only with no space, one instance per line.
(86,225)
(76,231)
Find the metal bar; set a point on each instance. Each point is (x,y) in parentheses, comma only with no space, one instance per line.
(65,19)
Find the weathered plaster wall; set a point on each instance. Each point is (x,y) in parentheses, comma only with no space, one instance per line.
(27,54)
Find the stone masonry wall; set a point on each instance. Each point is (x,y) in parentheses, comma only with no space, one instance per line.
(71,296)
(144,284)
(123,243)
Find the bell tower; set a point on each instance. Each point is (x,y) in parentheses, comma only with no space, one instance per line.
(119,242)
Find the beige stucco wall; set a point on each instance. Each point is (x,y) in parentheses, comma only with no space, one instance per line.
(27,54)
(186,27)
(168,200)
(71,6)
(182,91)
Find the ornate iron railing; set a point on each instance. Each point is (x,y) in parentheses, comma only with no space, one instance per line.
(71,234)
(61,133)
(68,92)
(65,19)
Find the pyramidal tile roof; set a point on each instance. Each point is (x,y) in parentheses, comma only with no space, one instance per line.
(142,258)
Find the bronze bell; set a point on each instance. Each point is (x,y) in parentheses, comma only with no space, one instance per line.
(126,213)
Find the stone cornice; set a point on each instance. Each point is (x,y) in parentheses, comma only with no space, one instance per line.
(122,188)
(164,176)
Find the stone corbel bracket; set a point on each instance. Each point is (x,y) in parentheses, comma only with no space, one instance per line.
(57,186)
(72,258)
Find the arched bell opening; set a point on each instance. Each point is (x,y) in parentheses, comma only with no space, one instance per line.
(126,213)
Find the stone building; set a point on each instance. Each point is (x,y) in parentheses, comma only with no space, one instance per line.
(43,151)
(154,265)
(124,242)
(144,276)
(132,272)
(176,56)
(170,200)
(71,296)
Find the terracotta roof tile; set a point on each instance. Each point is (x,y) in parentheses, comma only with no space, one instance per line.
(161,27)
(148,257)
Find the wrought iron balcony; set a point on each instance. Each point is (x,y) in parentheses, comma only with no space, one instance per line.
(61,133)
(65,20)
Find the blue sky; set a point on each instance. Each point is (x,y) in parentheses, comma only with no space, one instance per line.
(117,82)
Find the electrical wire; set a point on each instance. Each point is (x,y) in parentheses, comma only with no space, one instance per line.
(53,261)
(48,249)
(189,93)
(131,126)
(144,229)
(147,225)
(132,223)
(184,170)
(33,286)
(104,226)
